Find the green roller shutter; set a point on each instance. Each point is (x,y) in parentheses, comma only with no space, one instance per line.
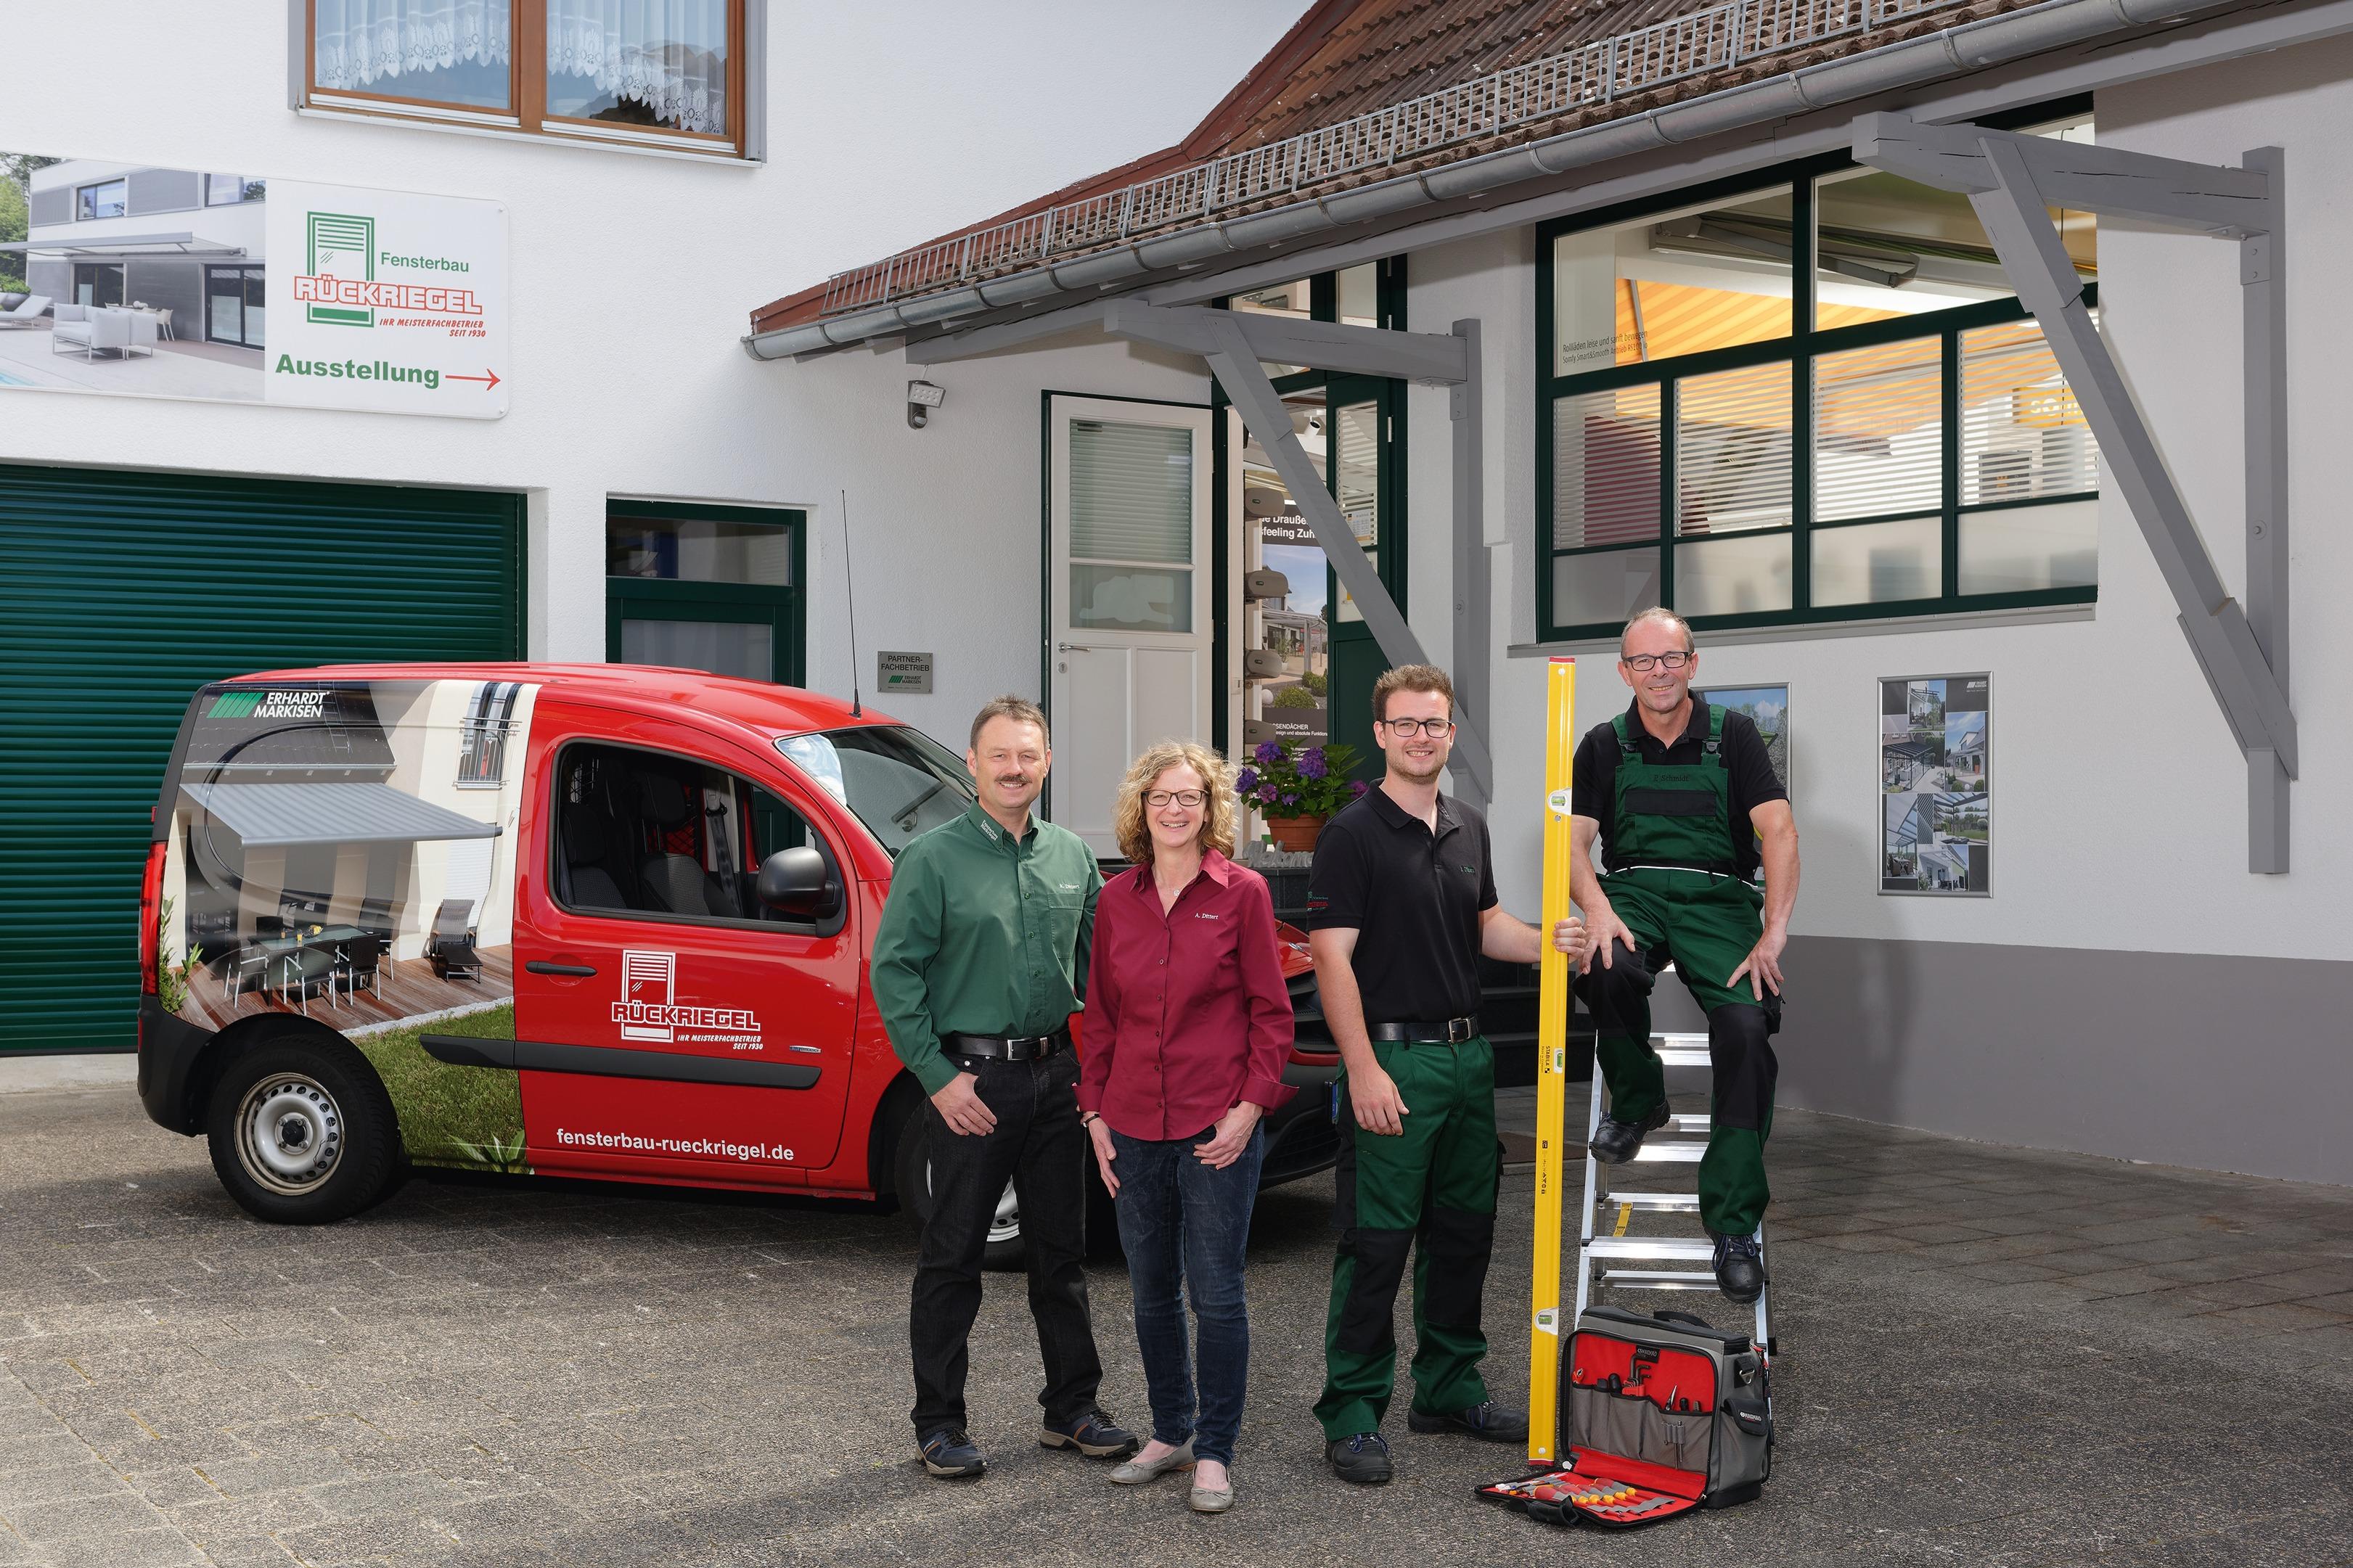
(120,595)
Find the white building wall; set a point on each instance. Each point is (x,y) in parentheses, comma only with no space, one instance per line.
(632,278)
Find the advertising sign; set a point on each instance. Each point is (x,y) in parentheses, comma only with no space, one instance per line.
(143,280)
(1935,804)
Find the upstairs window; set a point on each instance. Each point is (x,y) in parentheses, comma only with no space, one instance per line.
(110,199)
(660,72)
(1814,400)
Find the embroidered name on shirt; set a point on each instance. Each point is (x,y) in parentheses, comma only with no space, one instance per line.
(1203,915)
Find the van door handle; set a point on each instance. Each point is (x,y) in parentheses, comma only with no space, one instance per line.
(570,971)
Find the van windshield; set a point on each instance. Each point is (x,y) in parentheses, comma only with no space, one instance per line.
(897,781)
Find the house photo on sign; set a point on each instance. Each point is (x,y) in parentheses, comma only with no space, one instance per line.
(1933,797)
(143,280)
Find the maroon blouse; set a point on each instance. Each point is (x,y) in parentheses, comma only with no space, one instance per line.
(1187,1013)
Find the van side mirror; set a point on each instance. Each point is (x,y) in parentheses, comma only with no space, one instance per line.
(794,883)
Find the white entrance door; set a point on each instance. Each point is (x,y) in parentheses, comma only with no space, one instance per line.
(1128,595)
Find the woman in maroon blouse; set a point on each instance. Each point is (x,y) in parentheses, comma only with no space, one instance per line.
(1187,1029)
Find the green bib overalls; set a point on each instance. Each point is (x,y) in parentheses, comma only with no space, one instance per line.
(1671,877)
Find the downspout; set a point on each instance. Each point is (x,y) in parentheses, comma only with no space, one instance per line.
(1970,45)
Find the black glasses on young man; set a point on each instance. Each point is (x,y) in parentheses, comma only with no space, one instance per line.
(1403,728)
(1641,663)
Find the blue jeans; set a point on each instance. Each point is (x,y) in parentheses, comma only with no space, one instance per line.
(1184,1224)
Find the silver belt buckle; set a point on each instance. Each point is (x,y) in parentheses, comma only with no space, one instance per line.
(1458,1031)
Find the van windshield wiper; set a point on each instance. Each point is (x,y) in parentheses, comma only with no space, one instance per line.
(906,816)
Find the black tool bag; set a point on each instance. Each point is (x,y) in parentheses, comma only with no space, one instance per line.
(1658,1415)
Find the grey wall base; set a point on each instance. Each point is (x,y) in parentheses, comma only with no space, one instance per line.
(2221,1063)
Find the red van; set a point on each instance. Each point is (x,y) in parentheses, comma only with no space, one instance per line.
(587,920)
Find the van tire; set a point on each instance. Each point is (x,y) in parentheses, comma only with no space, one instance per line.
(912,1177)
(302,1132)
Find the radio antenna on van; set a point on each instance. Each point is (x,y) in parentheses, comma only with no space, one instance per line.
(849,589)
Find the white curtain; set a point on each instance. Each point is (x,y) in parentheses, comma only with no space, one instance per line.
(362,43)
(669,54)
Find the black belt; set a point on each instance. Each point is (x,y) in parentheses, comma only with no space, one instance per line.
(1008,1047)
(1445,1032)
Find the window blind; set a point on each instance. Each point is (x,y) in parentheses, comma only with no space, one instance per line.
(1130,492)
(1879,431)
(2022,435)
(1605,457)
(1732,450)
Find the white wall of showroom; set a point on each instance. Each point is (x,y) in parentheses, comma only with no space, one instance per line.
(632,277)
(2120,797)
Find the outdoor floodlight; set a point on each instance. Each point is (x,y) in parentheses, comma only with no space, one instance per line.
(922,398)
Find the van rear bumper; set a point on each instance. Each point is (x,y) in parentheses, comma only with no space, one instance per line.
(168,1049)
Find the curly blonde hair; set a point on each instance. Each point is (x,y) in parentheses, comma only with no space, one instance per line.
(1217,813)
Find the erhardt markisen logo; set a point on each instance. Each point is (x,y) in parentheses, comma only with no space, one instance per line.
(646,1012)
(292,705)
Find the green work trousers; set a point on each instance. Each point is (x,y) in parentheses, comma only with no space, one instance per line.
(1706,925)
(1429,1191)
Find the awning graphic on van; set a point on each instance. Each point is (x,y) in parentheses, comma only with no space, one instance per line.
(268,816)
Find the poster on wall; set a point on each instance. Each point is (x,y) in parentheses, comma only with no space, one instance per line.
(140,280)
(1935,805)
(1768,708)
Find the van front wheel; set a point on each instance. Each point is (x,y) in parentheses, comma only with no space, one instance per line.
(302,1132)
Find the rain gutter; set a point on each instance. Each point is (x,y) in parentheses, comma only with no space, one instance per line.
(1967,47)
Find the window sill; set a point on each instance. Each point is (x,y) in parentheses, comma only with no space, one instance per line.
(1813,631)
(506,128)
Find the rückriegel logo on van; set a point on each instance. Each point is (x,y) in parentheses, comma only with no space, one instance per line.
(646,1012)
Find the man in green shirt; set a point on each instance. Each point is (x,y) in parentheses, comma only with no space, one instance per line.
(980,961)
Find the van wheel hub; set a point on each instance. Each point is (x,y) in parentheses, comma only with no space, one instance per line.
(290,1132)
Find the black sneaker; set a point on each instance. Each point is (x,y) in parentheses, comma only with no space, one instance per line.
(1486,1420)
(1740,1269)
(1614,1141)
(949,1453)
(1363,1460)
(1091,1433)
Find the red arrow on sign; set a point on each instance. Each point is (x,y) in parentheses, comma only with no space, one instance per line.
(489,381)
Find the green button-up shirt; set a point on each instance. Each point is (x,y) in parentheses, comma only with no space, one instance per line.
(982,934)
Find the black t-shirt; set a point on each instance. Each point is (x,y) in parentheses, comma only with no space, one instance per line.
(1752,780)
(1414,900)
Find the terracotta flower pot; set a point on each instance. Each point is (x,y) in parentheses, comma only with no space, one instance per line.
(1296,833)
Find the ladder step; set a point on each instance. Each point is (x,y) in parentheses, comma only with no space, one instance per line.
(1679,1154)
(1657,1279)
(1687,1248)
(1670,1203)
(1692,1123)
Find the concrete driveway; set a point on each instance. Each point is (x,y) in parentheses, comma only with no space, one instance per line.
(1990,1357)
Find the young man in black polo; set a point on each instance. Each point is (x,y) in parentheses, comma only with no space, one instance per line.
(1684,798)
(1402,902)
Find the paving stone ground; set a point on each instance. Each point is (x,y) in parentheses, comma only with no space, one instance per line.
(1989,1357)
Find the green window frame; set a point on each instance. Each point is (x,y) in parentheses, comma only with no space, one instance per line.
(783,608)
(1799,353)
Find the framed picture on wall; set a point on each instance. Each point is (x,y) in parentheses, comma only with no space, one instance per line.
(1767,707)
(1935,787)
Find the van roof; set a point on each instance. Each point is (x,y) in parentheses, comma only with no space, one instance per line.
(758,705)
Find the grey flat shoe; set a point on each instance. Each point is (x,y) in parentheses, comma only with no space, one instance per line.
(1204,1500)
(1135,1473)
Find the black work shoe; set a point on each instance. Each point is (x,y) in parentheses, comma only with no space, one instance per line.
(948,1452)
(1363,1460)
(1740,1269)
(1487,1420)
(1091,1433)
(1614,1141)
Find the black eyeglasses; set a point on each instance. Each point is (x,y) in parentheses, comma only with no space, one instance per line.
(1640,663)
(1160,798)
(1436,729)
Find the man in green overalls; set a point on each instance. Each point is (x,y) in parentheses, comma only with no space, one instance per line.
(1684,798)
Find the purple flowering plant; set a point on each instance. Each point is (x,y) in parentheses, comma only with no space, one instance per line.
(1293,780)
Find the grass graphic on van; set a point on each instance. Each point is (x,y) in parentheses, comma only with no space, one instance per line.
(470,1117)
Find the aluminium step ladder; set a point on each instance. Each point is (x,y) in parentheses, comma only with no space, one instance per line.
(1602,1240)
